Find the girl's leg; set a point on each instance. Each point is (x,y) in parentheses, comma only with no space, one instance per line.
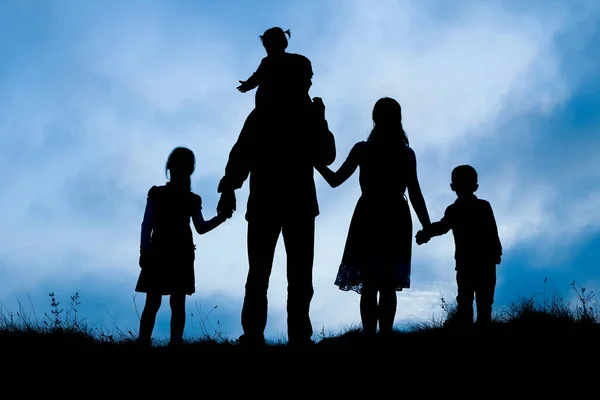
(368,310)
(177,302)
(148,318)
(386,310)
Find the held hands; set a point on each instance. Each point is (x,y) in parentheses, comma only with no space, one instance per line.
(422,237)
(227,204)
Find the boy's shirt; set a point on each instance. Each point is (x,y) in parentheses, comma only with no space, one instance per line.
(474,229)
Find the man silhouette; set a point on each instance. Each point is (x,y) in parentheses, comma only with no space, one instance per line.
(279,154)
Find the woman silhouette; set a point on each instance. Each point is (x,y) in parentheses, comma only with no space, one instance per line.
(377,255)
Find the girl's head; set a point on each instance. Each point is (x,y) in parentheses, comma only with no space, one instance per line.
(274,40)
(387,121)
(180,166)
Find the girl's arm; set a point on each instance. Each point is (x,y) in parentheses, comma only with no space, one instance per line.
(201,225)
(414,192)
(335,179)
(147,225)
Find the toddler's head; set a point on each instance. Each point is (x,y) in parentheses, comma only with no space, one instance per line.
(274,40)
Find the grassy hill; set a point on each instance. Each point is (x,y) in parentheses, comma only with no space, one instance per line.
(550,325)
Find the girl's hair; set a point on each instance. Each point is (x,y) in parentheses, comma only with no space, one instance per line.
(180,165)
(275,38)
(387,122)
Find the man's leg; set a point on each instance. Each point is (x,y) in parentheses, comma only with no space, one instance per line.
(465,296)
(262,240)
(485,287)
(299,239)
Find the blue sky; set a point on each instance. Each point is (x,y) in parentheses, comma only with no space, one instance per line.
(94,95)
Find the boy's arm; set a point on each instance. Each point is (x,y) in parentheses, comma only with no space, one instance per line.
(440,227)
(497,245)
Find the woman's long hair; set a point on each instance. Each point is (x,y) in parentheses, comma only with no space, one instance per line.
(180,165)
(387,123)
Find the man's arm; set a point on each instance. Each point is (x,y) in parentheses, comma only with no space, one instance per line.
(237,169)
(324,146)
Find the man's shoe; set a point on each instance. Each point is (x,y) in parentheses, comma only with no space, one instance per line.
(302,344)
(255,342)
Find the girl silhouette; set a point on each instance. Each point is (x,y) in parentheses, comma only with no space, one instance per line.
(167,250)
(377,256)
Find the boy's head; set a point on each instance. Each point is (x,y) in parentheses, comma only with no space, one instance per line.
(274,40)
(464,180)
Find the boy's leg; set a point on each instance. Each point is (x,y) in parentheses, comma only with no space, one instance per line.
(177,303)
(148,317)
(484,290)
(465,296)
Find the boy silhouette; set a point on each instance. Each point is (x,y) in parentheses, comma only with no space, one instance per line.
(477,246)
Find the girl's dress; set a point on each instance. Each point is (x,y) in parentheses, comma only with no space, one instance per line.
(379,243)
(172,249)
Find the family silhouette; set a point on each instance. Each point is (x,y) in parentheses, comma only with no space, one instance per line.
(283,140)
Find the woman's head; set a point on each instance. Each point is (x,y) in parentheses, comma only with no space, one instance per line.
(274,40)
(387,121)
(180,166)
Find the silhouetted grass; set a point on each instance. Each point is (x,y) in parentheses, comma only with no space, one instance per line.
(538,322)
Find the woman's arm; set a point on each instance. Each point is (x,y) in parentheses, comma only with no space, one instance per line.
(414,192)
(335,179)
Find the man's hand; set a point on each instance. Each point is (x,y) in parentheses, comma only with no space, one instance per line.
(319,107)
(226,204)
